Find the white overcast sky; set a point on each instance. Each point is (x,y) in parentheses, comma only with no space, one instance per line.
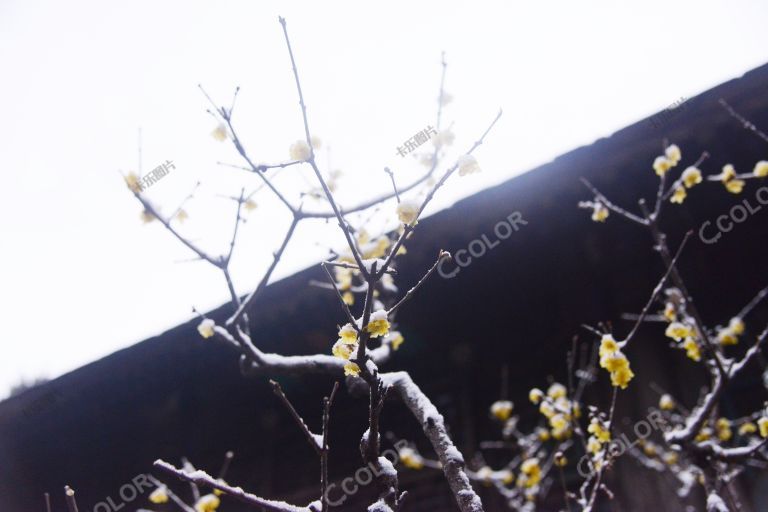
(81,277)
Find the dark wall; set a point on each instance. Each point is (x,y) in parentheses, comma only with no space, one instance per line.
(520,304)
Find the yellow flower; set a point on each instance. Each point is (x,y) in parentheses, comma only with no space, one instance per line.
(351,369)
(250,205)
(727,337)
(468,165)
(207,503)
(691,176)
(669,312)
(677,331)
(747,428)
(661,165)
(622,376)
(220,132)
(650,449)
(736,324)
(348,298)
(762,424)
(561,433)
(614,362)
(396,339)
(347,334)
(542,434)
(407,211)
(560,460)
(735,186)
(206,328)
(670,458)
(546,409)
(666,403)
(761,169)
(556,390)
(535,395)
(673,154)
(679,195)
(594,445)
(729,172)
(692,349)
(598,429)
(147,216)
(343,350)
(300,150)
(410,458)
(531,472)
(182,215)
(502,409)
(704,434)
(159,495)
(723,427)
(608,345)
(600,212)
(378,324)
(133,182)
(485,474)
(558,422)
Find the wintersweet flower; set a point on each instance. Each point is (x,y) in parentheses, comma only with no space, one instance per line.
(691,176)
(599,212)
(147,216)
(206,328)
(723,428)
(666,402)
(761,169)
(622,376)
(728,177)
(410,458)
(502,409)
(762,424)
(535,395)
(560,460)
(670,313)
(736,324)
(530,473)
(468,165)
(692,349)
(594,445)
(220,132)
(407,211)
(348,298)
(396,339)
(556,390)
(727,337)
(669,458)
(300,150)
(250,205)
(608,345)
(558,422)
(597,428)
(546,409)
(677,331)
(182,215)
(485,474)
(133,182)
(159,495)
(351,369)
(207,503)
(735,186)
(504,475)
(443,138)
(317,143)
(747,428)
(348,334)
(673,154)
(678,196)
(661,165)
(343,350)
(729,172)
(378,324)
(542,434)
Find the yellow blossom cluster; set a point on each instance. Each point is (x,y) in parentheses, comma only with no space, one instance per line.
(682,331)
(207,503)
(728,177)
(501,409)
(600,435)
(690,178)
(530,473)
(723,429)
(668,160)
(730,335)
(345,347)
(487,476)
(558,409)
(410,458)
(615,362)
